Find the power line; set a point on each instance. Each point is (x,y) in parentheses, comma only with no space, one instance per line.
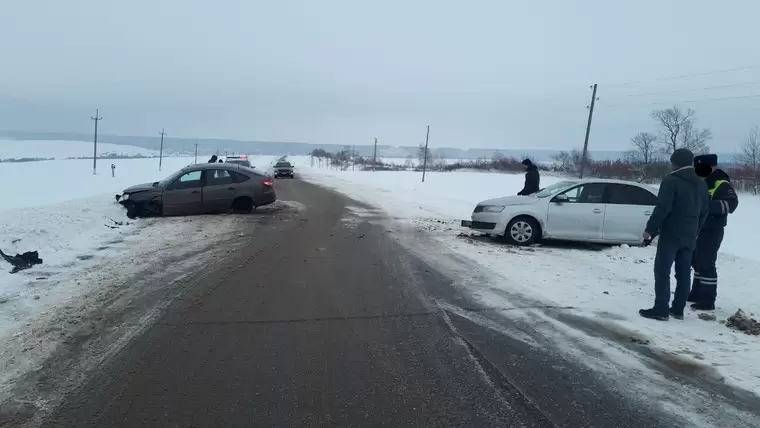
(685,76)
(733,85)
(686,101)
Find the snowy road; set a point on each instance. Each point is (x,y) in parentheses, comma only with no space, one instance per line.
(604,286)
(320,317)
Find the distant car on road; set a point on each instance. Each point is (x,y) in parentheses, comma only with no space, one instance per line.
(200,189)
(239,160)
(590,210)
(283,169)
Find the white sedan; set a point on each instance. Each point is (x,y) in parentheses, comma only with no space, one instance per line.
(590,210)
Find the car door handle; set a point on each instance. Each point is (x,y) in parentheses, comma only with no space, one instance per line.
(597,211)
(230,188)
(196,191)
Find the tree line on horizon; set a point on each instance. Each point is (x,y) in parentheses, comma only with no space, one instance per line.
(647,160)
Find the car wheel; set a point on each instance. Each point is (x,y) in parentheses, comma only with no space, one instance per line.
(242,205)
(522,231)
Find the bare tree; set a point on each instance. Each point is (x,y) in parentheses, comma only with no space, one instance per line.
(421,151)
(570,161)
(645,148)
(671,122)
(695,139)
(749,157)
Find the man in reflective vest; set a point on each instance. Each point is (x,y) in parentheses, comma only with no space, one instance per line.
(723,201)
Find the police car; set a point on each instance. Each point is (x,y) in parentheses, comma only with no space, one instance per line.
(239,160)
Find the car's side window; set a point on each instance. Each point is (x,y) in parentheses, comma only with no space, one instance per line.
(187,181)
(218,177)
(624,194)
(238,177)
(589,193)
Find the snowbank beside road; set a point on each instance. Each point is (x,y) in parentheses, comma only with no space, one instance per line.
(607,286)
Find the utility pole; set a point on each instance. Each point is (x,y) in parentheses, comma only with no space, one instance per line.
(424,161)
(374,157)
(196,152)
(588,130)
(161,151)
(96,118)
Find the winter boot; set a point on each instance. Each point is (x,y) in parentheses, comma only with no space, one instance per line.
(653,314)
(676,315)
(703,306)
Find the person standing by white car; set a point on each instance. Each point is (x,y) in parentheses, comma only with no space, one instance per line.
(532,179)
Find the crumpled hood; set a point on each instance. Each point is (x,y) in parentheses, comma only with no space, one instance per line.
(140,188)
(507,201)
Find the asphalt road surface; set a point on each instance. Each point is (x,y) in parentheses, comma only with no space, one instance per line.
(322,322)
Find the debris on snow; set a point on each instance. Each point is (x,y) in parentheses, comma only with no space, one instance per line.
(740,321)
(704,316)
(22,261)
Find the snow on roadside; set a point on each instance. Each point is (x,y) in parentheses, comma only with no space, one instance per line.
(608,285)
(43,310)
(70,216)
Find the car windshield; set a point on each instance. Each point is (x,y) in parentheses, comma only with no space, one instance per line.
(283,165)
(555,188)
(168,180)
(239,162)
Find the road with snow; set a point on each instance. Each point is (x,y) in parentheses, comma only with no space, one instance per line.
(325,310)
(321,317)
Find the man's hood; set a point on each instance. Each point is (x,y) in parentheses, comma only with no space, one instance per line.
(687,173)
(140,188)
(507,201)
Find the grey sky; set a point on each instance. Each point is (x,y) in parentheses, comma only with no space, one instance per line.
(482,73)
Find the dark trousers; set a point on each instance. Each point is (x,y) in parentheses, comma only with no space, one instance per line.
(668,253)
(705,286)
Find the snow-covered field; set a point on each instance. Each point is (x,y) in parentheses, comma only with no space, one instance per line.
(67,214)
(607,285)
(65,149)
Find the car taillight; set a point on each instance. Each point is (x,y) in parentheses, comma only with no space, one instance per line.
(268,182)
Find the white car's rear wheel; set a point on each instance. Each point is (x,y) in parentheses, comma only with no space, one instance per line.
(522,231)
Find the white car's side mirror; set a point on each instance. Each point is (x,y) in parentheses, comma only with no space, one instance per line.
(560,198)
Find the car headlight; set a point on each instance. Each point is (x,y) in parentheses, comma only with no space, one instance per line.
(492,208)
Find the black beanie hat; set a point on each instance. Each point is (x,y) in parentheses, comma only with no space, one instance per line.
(682,157)
(527,162)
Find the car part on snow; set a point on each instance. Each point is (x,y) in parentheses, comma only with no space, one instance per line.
(22,261)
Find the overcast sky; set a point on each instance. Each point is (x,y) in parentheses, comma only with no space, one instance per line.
(482,73)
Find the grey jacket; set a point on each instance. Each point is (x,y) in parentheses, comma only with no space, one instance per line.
(682,207)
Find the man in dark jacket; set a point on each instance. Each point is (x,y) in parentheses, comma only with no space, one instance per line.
(532,179)
(679,215)
(723,201)
(213,159)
